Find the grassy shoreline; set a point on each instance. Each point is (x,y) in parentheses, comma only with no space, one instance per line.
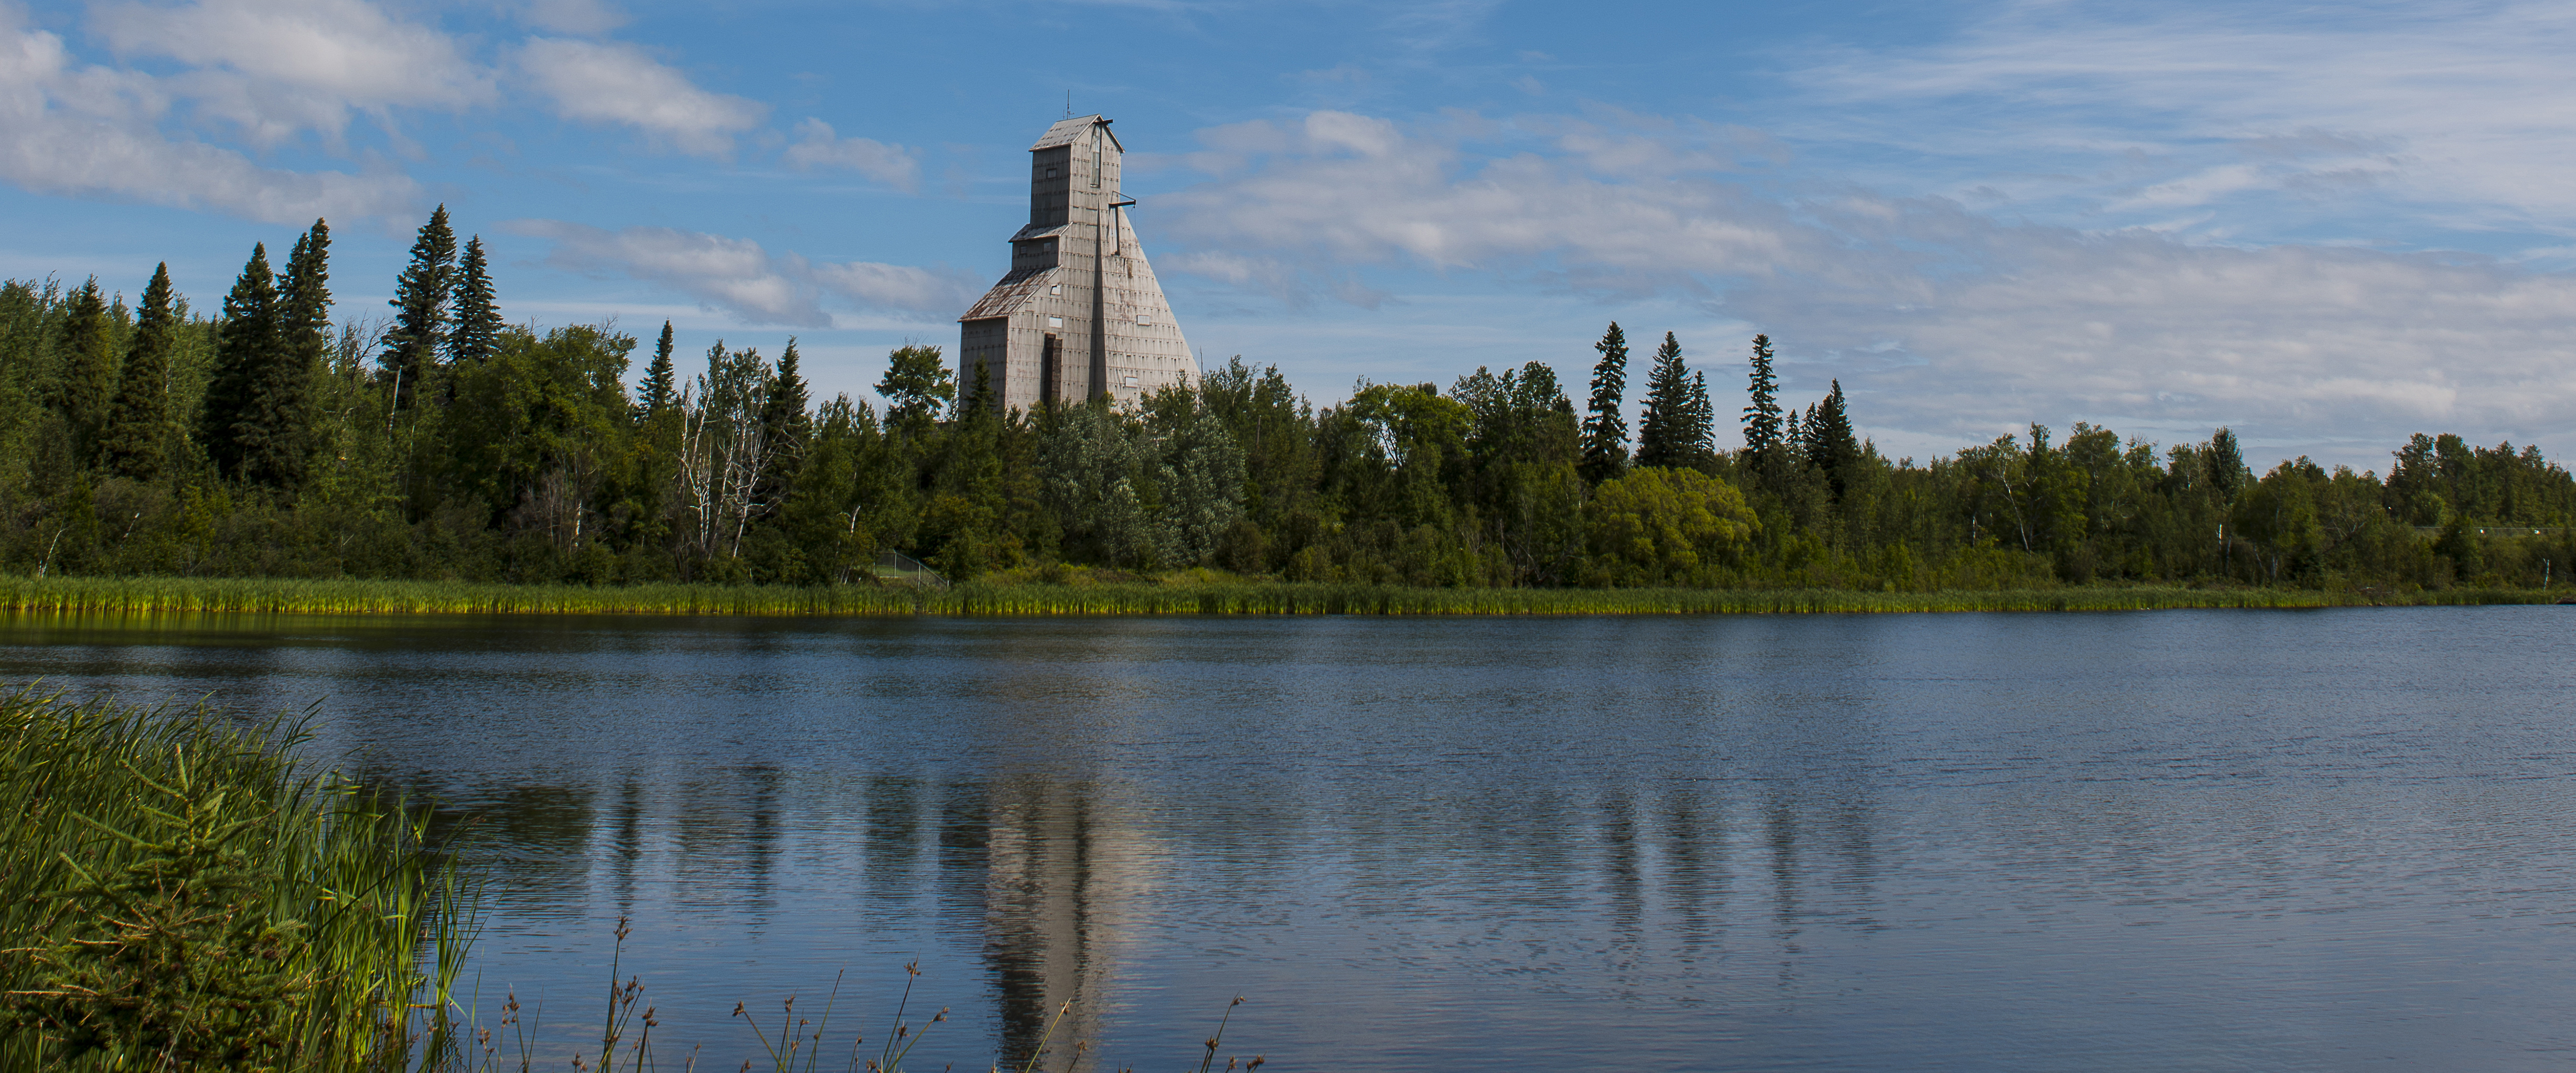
(1189,597)
(181,891)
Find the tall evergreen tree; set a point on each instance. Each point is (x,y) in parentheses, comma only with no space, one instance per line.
(88,385)
(1830,443)
(1667,430)
(421,297)
(477,331)
(1762,418)
(658,380)
(2226,464)
(1702,422)
(277,431)
(786,426)
(138,425)
(1605,423)
(245,347)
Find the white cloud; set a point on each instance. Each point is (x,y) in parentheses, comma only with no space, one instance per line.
(599,82)
(279,67)
(2336,352)
(884,286)
(89,131)
(2458,104)
(738,277)
(1946,325)
(1352,188)
(817,147)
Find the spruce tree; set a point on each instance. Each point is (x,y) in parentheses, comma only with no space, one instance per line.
(1605,425)
(421,296)
(138,423)
(1701,425)
(658,380)
(1831,445)
(1762,419)
(785,426)
(87,388)
(273,431)
(2226,464)
(478,324)
(245,346)
(1664,429)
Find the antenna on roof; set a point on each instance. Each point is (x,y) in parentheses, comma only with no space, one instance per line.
(1068,104)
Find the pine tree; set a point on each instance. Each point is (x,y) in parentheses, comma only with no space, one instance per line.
(1665,434)
(421,297)
(658,379)
(139,422)
(88,386)
(1831,445)
(245,347)
(478,324)
(1605,426)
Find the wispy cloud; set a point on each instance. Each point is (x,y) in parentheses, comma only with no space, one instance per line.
(278,68)
(740,278)
(90,131)
(1946,323)
(603,82)
(817,147)
(2458,105)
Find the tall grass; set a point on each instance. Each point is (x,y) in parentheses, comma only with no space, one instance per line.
(1189,596)
(294,595)
(178,891)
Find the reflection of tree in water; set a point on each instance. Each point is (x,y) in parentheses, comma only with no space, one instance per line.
(543,833)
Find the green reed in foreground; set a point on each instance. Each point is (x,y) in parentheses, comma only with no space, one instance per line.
(1181,597)
(178,892)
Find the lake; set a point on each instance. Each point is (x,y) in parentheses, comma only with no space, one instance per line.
(2324,839)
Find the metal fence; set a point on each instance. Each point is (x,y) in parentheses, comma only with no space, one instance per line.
(897,566)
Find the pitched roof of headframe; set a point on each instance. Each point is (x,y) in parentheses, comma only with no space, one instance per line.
(1066,130)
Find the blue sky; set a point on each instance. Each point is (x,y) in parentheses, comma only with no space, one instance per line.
(2327,227)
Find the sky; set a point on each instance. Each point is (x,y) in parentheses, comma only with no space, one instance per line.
(2324,226)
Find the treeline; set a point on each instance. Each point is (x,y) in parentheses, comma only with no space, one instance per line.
(435,441)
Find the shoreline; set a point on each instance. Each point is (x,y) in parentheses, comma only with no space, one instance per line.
(297,596)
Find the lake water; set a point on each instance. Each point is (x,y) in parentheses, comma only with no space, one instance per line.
(2185,839)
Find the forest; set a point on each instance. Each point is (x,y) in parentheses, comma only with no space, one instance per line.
(277,438)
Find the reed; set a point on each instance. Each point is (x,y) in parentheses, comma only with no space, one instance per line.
(180,891)
(301,596)
(1185,595)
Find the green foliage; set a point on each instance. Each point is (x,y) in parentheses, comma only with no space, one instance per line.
(174,957)
(1605,422)
(1666,527)
(917,387)
(1762,414)
(87,387)
(180,893)
(477,329)
(421,302)
(1673,430)
(139,425)
(660,387)
(265,447)
(236,426)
